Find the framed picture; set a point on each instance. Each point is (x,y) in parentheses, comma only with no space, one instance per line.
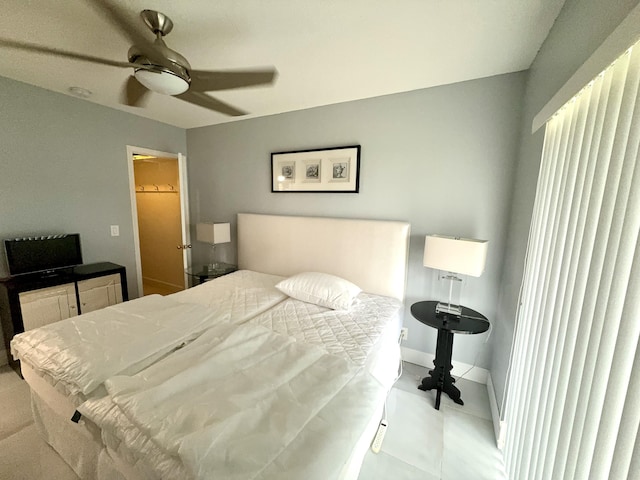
(322,171)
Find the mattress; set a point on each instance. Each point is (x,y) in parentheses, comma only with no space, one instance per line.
(81,352)
(236,297)
(365,337)
(362,340)
(54,401)
(76,355)
(366,334)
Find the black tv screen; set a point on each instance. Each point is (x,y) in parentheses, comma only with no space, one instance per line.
(38,254)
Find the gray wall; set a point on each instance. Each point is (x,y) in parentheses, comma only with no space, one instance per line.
(578,31)
(442,159)
(63,168)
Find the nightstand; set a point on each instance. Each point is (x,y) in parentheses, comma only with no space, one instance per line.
(202,272)
(469,322)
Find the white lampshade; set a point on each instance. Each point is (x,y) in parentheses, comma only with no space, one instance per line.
(213,233)
(163,81)
(453,254)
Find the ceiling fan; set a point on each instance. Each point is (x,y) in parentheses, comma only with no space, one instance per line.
(158,68)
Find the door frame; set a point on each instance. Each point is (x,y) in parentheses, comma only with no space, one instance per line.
(184,208)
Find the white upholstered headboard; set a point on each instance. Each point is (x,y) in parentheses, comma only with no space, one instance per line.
(370,253)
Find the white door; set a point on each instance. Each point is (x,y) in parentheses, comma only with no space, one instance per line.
(160,214)
(184,213)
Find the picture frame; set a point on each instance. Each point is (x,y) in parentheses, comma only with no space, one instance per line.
(328,170)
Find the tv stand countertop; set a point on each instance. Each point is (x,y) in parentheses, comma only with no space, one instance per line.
(79,272)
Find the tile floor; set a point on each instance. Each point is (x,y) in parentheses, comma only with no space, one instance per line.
(455,443)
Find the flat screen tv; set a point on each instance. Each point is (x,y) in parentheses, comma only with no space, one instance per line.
(42,254)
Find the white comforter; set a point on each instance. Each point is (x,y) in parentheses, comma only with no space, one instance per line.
(82,352)
(78,354)
(239,403)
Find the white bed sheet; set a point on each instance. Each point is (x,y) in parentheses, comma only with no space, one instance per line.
(241,403)
(80,353)
(236,297)
(377,349)
(76,355)
(78,444)
(224,299)
(366,334)
(364,337)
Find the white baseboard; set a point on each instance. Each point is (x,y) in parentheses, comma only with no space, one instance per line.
(498,425)
(475,374)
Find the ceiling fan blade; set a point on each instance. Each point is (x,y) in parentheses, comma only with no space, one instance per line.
(204,100)
(32,47)
(122,21)
(210,81)
(134,93)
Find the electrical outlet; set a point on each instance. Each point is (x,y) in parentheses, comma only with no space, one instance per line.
(115,230)
(404,334)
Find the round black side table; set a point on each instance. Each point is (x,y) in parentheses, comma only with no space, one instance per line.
(202,273)
(469,322)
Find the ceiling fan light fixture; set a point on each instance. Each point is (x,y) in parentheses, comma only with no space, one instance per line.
(162,81)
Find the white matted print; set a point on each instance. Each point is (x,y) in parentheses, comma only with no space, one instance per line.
(312,170)
(340,169)
(286,171)
(325,170)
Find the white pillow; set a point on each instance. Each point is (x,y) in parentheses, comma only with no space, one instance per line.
(320,289)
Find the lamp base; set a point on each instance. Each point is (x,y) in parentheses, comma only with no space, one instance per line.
(213,264)
(214,267)
(449,309)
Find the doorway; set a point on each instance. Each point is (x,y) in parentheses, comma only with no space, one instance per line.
(160,226)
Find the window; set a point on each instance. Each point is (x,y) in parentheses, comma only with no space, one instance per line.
(573,402)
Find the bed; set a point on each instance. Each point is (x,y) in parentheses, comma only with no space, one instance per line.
(233,378)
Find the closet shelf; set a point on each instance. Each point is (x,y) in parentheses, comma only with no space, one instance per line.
(153,188)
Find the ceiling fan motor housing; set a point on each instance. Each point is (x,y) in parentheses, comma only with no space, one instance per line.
(157,67)
(170,79)
(157,22)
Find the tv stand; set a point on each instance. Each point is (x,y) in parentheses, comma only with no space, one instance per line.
(37,299)
(49,274)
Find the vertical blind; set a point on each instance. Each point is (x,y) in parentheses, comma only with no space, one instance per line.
(572,409)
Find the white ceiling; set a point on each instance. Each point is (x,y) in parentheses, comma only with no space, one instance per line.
(326,51)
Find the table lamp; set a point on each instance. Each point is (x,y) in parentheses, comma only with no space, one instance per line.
(455,256)
(213,234)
